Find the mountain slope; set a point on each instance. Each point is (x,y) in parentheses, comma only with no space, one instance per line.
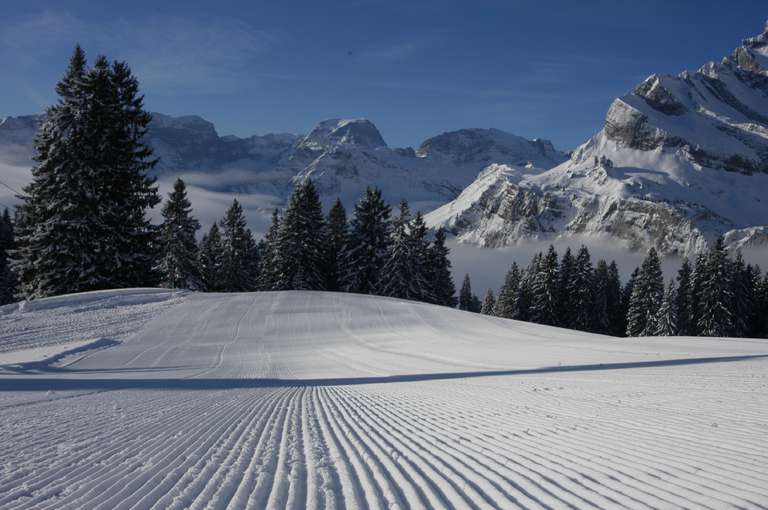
(310,399)
(680,160)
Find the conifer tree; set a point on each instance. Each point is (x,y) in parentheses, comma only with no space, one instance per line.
(439,272)
(617,312)
(178,258)
(420,254)
(301,245)
(7,245)
(367,243)
(743,304)
(545,305)
(524,303)
(210,261)
(698,275)
(666,321)
(82,224)
(335,238)
(600,317)
(237,250)
(647,293)
(269,266)
(683,300)
(565,289)
(465,295)
(400,276)
(580,291)
(716,298)
(488,303)
(761,323)
(507,300)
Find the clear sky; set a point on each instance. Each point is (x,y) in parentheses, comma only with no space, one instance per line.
(415,68)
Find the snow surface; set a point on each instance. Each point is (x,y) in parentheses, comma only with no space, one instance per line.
(310,399)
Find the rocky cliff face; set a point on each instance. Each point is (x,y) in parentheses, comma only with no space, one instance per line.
(680,160)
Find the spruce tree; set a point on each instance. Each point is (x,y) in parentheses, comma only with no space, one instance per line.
(545,306)
(488,303)
(617,313)
(210,261)
(465,295)
(626,299)
(178,247)
(237,250)
(82,224)
(743,303)
(7,245)
(367,243)
(715,314)
(565,290)
(420,254)
(400,274)
(335,238)
(524,303)
(647,294)
(507,301)
(698,275)
(685,325)
(580,291)
(600,318)
(761,324)
(439,272)
(300,242)
(269,266)
(666,321)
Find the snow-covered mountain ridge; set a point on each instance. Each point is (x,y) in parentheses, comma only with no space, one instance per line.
(343,156)
(680,160)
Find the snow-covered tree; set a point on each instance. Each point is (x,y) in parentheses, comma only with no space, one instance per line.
(367,243)
(7,245)
(269,266)
(301,244)
(666,321)
(335,238)
(600,317)
(698,275)
(400,276)
(683,300)
(647,294)
(564,293)
(178,248)
(488,303)
(439,272)
(580,291)
(617,313)
(239,252)
(743,304)
(507,301)
(82,224)
(545,305)
(716,298)
(210,261)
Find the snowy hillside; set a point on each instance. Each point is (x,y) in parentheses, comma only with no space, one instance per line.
(681,160)
(343,156)
(310,399)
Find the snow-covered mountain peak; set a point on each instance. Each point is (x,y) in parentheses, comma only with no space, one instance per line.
(336,132)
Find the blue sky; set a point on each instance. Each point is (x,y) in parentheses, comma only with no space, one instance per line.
(416,68)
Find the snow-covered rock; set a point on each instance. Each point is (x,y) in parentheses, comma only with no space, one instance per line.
(680,160)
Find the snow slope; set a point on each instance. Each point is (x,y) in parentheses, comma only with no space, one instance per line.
(309,399)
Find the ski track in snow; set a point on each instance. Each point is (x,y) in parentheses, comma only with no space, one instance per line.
(306,400)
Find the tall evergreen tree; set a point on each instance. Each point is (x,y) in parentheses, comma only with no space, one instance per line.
(420,253)
(761,324)
(716,298)
(666,321)
(367,243)
(400,276)
(489,303)
(269,266)
(237,249)
(466,301)
(439,272)
(580,291)
(507,300)
(82,224)
(626,299)
(600,318)
(525,293)
(301,245)
(617,312)
(647,293)
(210,261)
(545,286)
(698,275)
(335,238)
(7,245)
(685,324)
(743,304)
(565,290)
(178,248)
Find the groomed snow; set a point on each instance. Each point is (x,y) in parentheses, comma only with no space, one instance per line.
(309,399)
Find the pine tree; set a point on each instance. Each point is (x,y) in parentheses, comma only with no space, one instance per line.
(685,325)
(420,253)
(600,317)
(300,241)
(465,295)
(743,304)
(580,291)
(439,272)
(647,293)
(367,243)
(524,303)
(716,299)
(488,303)
(400,276)
(617,303)
(666,321)
(178,257)
(269,266)
(7,245)
(761,325)
(237,250)
(210,261)
(545,286)
(564,295)
(82,224)
(506,303)
(335,238)
(698,275)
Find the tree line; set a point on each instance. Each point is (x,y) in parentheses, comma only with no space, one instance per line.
(715,295)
